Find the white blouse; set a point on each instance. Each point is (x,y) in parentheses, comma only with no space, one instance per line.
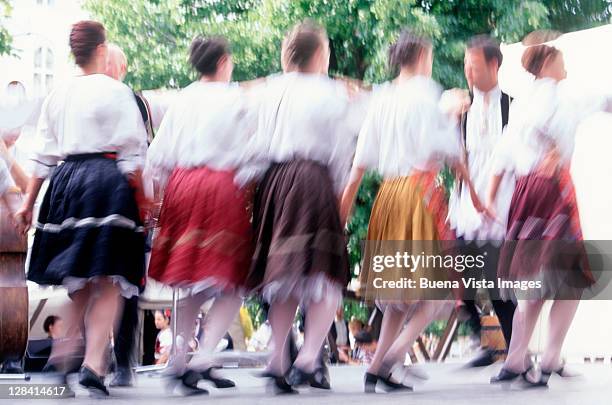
(405,129)
(545,116)
(208,124)
(90,114)
(304,116)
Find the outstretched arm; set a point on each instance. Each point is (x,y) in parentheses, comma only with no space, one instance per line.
(348,196)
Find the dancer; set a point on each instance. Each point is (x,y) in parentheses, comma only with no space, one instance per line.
(204,241)
(304,141)
(543,233)
(407,138)
(89,235)
(481,129)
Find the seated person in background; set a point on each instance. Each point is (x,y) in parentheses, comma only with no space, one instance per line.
(355,326)
(163,343)
(53,327)
(365,346)
(340,333)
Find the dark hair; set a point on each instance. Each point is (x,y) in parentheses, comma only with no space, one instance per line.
(302,42)
(165,313)
(489,46)
(205,53)
(85,37)
(406,50)
(537,52)
(363,337)
(49,322)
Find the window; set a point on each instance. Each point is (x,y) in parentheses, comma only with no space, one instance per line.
(43,70)
(48,3)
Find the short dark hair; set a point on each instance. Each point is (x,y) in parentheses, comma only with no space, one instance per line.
(489,46)
(364,336)
(85,37)
(302,42)
(205,53)
(49,322)
(407,50)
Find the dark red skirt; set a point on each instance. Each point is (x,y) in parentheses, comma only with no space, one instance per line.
(204,235)
(544,235)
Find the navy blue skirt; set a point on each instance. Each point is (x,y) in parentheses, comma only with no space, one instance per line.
(88,226)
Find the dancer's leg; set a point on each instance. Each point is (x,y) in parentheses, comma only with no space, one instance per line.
(422,317)
(525,319)
(392,322)
(99,323)
(281,316)
(319,317)
(216,323)
(561,316)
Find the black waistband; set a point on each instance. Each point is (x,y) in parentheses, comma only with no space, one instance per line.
(87,156)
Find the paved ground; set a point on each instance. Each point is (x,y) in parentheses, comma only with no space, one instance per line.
(447,385)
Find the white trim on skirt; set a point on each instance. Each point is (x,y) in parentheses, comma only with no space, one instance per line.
(72,223)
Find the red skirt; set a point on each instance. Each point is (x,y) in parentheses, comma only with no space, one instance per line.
(204,236)
(544,236)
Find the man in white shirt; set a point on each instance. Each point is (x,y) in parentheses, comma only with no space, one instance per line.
(481,130)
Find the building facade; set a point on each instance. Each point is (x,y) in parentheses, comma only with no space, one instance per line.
(41,56)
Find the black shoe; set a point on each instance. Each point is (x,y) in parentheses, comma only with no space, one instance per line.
(483,359)
(218,382)
(123,378)
(392,386)
(278,383)
(370,381)
(52,371)
(319,379)
(12,367)
(297,377)
(91,381)
(506,376)
(189,383)
(542,382)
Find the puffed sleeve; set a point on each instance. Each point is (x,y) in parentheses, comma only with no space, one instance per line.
(129,132)
(46,153)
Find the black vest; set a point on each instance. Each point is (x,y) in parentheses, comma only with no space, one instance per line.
(505,110)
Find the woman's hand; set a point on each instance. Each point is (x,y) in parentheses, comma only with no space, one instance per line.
(23,218)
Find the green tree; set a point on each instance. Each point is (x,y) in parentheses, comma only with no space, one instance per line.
(5,38)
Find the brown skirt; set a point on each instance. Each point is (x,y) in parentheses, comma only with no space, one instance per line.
(300,245)
(543,241)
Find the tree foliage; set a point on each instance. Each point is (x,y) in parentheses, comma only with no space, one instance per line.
(5,38)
